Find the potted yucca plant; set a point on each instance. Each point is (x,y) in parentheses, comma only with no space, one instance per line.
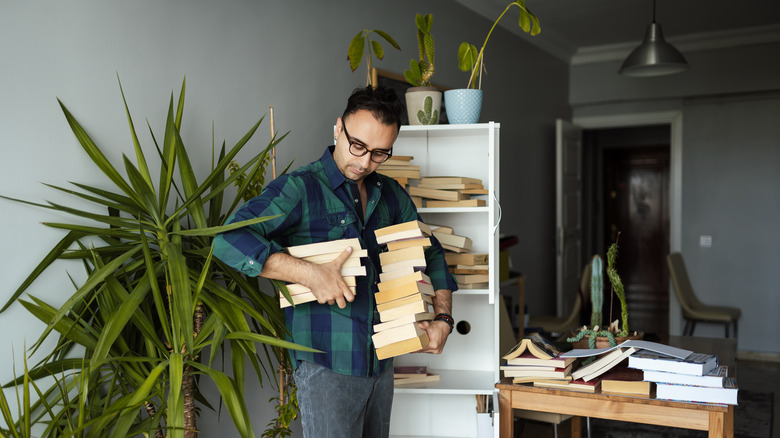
(131,340)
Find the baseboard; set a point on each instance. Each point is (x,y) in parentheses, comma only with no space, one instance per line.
(760,356)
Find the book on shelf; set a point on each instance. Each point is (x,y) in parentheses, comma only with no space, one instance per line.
(401,320)
(406,375)
(406,319)
(409,299)
(300,298)
(416,264)
(399,159)
(484,285)
(461,187)
(527,358)
(399,173)
(714,378)
(352,260)
(443,195)
(461,243)
(524,371)
(450,204)
(438,180)
(396,334)
(475,191)
(702,394)
(535,344)
(471,278)
(469,269)
(407,289)
(571,385)
(400,255)
(398,165)
(697,364)
(403,347)
(624,380)
(602,364)
(466,258)
(413,276)
(418,306)
(416,200)
(423,242)
(441,228)
(406,230)
(312,249)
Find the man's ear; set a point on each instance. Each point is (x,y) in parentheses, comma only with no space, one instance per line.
(339,127)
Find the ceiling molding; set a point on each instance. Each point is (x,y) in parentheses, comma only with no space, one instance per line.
(685,43)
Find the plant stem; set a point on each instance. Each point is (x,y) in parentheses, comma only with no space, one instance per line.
(478,64)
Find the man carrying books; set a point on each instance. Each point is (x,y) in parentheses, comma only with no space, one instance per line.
(344,391)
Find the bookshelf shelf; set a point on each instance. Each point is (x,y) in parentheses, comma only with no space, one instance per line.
(468,367)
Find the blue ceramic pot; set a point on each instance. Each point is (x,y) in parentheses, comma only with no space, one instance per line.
(463,105)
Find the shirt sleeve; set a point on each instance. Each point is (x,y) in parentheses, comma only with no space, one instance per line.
(246,249)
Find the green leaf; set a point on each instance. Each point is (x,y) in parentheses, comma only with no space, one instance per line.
(270,340)
(235,404)
(386,36)
(139,153)
(355,50)
(175,419)
(379,52)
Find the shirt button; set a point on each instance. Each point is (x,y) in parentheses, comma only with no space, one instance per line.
(379,183)
(251,262)
(372,201)
(343,221)
(356,200)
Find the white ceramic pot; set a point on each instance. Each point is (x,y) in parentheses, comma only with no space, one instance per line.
(423,105)
(463,105)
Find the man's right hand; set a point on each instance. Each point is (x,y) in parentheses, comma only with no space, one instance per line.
(328,285)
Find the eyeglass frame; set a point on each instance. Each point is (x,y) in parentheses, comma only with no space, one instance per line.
(352,143)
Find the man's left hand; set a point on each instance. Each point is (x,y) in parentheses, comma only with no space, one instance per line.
(438,331)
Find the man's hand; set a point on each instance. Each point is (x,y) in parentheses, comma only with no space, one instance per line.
(438,332)
(328,285)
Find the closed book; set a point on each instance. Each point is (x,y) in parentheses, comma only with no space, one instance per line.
(466,259)
(383,307)
(300,298)
(400,255)
(703,394)
(455,204)
(415,287)
(714,378)
(406,319)
(297,288)
(452,186)
(418,227)
(352,260)
(414,276)
(441,228)
(403,347)
(624,380)
(522,371)
(353,271)
(399,173)
(416,264)
(331,246)
(401,244)
(534,379)
(454,240)
(396,334)
(571,385)
(411,380)
(484,285)
(444,195)
(528,358)
(407,309)
(471,278)
(470,269)
(399,159)
(602,364)
(398,273)
(438,180)
(697,364)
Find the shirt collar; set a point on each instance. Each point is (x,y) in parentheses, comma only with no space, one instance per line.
(335,177)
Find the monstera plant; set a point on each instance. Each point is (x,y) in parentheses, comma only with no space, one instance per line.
(146,328)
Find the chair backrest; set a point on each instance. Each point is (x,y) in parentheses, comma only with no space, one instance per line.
(681,282)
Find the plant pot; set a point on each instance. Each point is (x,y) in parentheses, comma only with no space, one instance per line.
(463,105)
(423,105)
(603,341)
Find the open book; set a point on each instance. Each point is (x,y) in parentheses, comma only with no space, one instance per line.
(537,345)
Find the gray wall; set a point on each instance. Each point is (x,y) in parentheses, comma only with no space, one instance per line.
(730,102)
(239,57)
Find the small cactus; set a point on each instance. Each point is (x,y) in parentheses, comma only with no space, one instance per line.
(429,116)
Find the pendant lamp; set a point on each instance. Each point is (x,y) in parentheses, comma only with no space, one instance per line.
(654,57)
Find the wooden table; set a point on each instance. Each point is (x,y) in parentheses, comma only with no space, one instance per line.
(717,419)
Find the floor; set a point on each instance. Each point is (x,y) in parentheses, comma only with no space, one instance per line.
(751,375)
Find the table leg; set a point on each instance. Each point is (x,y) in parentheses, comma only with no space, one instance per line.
(506,425)
(576,427)
(722,424)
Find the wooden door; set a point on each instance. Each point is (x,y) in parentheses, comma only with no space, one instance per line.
(568,214)
(636,183)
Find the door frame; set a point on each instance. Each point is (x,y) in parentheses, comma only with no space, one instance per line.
(675,120)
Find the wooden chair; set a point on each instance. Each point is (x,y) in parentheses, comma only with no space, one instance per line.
(693,309)
(556,324)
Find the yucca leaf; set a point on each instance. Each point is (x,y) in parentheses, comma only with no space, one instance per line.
(235,404)
(168,157)
(139,153)
(144,191)
(175,419)
(215,205)
(65,326)
(180,296)
(270,340)
(93,231)
(213,231)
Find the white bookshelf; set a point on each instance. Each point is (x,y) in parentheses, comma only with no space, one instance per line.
(469,365)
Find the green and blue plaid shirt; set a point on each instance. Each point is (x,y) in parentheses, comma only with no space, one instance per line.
(317,203)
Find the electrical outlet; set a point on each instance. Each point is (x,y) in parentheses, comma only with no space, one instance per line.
(705,241)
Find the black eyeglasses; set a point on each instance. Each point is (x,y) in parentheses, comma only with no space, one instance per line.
(359,150)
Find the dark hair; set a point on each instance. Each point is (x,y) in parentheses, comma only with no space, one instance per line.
(381,101)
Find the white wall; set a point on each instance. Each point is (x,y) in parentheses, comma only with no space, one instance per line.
(239,57)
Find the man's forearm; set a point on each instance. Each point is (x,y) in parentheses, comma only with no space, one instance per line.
(442,302)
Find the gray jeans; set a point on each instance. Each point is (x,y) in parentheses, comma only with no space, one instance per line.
(335,405)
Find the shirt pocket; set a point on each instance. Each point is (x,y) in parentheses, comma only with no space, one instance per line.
(341,225)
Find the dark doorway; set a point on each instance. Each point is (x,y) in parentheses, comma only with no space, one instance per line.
(630,187)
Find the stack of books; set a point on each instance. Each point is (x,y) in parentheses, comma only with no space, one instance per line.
(695,378)
(324,252)
(404,295)
(400,169)
(535,359)
(449,191)
(409,375)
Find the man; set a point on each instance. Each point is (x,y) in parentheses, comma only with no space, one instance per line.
(345,391)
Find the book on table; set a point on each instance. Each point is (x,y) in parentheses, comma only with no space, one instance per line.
(602,364)
(527,358)
(624,380)
(534,379)
(535,344)
(405,230)
(702,394)
(697,364)
(403,347)
(714,378)
(533,371)
(571,385)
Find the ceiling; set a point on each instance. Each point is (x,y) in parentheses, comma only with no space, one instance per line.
(581,30)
